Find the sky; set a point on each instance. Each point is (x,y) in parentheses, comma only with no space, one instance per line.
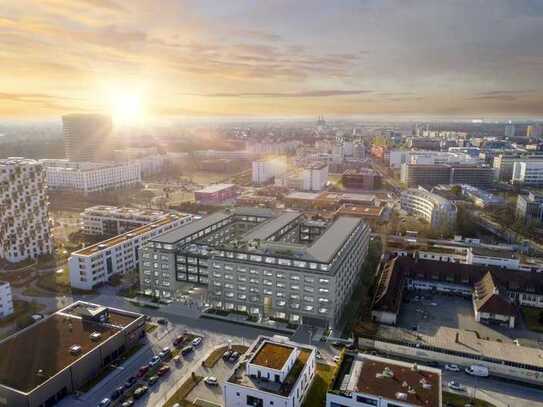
(169,58)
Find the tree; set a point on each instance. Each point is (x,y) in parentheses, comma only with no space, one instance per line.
(457,190)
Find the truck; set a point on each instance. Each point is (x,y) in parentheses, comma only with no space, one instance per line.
(476,370)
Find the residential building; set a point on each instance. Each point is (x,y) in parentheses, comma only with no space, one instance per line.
(414,175)
(263,171)
(24,210)
(528,173)
(530,207)
(437,211)
(64,352)
(365,380)
(88,177)
(273,372)
(87,137)
(96,264)
(490,305)
(272,265)
(112,220)
(364,178)
(215,194)
(315,176)
(6,300)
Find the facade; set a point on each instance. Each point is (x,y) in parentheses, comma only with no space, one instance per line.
(510,131)
(271,265)
(414,175)
(490,306)
(265,170)
(367,380)
(425,143)
(315,176)
(6,300)
(275,372)
(528,173)
(112,220)
(215,194)
(87,177)
(24,210)
(96,264)
(436,210)
(504,163)
(60,354)
(534,130)
(530,207)
(365,178)
(87,137)
(481,198)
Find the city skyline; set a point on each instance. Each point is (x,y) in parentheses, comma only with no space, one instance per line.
(199,59)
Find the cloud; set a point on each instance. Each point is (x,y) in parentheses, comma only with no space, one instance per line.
(302,94)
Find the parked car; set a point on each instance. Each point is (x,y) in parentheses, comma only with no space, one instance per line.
(234,356)
(455,386)
(128,403)
(177,342)
(165,353)
(152,380)
(452,368)
(186,350)
(154,361)
(336,358)
(226,355)
(117,393)
(163,370)
(211,380)
(197,341)
(130,382)
(143,370)
(104,403)
(140,391)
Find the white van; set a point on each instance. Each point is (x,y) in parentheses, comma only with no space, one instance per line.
(476,370)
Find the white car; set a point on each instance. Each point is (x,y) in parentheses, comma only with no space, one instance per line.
(336,358)
(104,403)
(455,386)
(197,341)
(452,368)
(211,380)
(154,361)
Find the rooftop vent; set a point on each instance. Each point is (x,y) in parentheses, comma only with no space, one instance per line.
(75,350)
(401,396)
(425,384)
(387,373)
(95,336)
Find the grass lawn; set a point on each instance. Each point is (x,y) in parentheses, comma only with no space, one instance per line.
(216,355)
(531,317)
(183,391)
(317,392)
(458,400)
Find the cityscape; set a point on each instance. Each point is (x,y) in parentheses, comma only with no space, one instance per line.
(271,204)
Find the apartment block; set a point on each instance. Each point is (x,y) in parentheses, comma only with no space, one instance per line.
(6,300)
(96,264)
(269,264)
(24,210)
(315,176)
(273,372)
(113,220)
(265,170)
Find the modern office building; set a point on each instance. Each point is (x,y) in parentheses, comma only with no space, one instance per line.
(65,351)
(364,178)
(510,130)
(88,177)
(265,170)
(273,372)
(414,175)
(504,163)
(365,380)
(315,176)
(481,198)
(24,210)
(87,137)
(528,173)
(96,264)
(422,157)
(268,264)
(436,210)
(215,194)
(6,300)
(530,207)
(113,220)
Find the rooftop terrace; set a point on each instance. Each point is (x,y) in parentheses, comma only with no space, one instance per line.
(272,355)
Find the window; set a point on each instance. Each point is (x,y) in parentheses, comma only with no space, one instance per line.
(254,401)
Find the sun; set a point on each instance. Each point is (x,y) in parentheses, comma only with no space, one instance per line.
(127,108)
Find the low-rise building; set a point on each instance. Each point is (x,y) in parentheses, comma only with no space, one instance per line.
(113,220)
(490,305)
(96,264)
(530,207)
(273,372)
(366,380)
(436,210)
(6,300)
(215,194)
(62,353)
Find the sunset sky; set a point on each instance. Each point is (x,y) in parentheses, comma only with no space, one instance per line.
(272,57)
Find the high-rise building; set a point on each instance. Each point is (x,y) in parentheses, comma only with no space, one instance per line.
(265,170)
(315,176)
(510,130)
(87,137)
(535,130)
(529,173)
(24,210)
(6,300)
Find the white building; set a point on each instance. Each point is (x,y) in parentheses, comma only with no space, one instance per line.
(528,173)
(367,380)
(273,372)
(112,220)
(421,157)
(87,177)
(436,210)
(96,264)
(24,210)
(266,170)
(6,301)
(315,176)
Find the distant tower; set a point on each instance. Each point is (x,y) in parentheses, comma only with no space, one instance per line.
(510,130)
(87,137)
(321,122)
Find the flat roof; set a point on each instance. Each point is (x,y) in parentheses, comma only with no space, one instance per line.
(362,211)
(272,355)
(327,245)
(184,231)
(33,355)
(268,228)
(214,188)
(303,195)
